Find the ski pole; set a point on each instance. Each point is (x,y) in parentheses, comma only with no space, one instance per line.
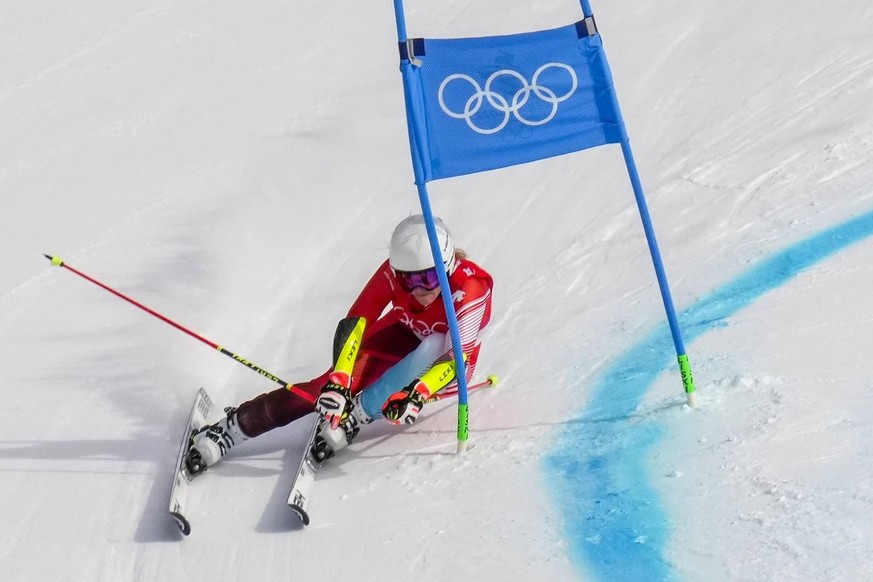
(57,262)
(491,380)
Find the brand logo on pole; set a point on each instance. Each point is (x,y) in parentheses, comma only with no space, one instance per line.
(509,106)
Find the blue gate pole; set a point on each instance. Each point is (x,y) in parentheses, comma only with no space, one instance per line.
(416,149)
(660,273)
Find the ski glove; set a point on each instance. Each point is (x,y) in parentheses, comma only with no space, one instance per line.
(403,407)
(334,403)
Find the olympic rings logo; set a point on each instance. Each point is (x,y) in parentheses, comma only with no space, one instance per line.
(508,107)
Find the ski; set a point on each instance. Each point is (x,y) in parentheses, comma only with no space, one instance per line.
(179,494)
(304,479)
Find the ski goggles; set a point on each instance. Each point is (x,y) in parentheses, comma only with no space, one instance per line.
(427,280)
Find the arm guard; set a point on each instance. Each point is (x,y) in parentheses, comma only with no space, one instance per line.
(346,346)
(438,377)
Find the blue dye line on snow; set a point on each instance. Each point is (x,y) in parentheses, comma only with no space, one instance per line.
(615,525)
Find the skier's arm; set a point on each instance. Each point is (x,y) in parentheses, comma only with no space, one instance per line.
(335,400)
(471,314)
(403,407)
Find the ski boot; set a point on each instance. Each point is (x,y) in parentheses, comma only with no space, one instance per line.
(329,440)
(211,443)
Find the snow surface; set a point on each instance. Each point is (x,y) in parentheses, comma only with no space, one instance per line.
(239,167)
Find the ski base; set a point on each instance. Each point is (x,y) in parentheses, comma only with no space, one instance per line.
(200,411)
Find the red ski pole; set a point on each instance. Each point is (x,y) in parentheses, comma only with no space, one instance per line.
(308,397)
(491,380)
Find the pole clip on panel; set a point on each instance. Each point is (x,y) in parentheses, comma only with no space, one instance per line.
(587,27)
(411,49)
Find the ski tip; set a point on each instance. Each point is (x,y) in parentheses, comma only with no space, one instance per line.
(301,513)
(182,522)
(492,379)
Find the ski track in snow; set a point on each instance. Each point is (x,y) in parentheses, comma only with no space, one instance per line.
(619,531)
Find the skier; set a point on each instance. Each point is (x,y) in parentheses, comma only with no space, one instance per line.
(385,365)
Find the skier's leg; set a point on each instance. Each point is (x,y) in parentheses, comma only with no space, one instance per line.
(277,408)
(252,418)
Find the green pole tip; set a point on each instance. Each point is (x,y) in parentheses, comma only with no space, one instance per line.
(56,262)
(685,370)
(463,422)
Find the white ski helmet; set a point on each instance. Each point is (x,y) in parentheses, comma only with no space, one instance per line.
(409,249)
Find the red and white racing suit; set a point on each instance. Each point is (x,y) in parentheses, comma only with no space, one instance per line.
(397,324)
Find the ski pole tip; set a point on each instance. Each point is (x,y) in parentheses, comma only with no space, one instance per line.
(492,379)
(56,262)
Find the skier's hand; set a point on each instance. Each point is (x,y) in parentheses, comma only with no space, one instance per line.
(334,403)
(403,407)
